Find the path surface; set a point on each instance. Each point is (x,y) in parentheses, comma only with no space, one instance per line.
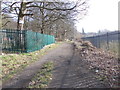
(72,72)
(69,71)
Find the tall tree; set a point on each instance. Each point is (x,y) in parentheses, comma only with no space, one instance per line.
(22,9)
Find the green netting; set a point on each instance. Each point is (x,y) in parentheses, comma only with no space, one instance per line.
(24,40)
(36,41)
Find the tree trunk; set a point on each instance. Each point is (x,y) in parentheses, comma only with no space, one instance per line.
(18,24)
(20,21)
(42,12)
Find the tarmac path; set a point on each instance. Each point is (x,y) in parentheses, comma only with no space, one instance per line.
(70,71)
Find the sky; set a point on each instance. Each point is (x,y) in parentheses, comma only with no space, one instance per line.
(102,14)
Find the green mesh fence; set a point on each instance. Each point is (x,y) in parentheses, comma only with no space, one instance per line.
(36,41)
(24,41)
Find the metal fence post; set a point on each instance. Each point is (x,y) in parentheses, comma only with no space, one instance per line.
(0,28)
(118,44)
(1,43)
(99,41)
(24,40)
(107,41)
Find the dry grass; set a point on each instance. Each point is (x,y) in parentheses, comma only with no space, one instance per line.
(113,47)
(43,77)
(13,63)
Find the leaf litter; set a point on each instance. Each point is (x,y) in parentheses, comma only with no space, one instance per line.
(104,63)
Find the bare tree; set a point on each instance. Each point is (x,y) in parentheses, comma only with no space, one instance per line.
(22,9)
(54,18)
(8,23)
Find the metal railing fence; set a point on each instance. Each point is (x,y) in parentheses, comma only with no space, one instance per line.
(109,41)
(24,40)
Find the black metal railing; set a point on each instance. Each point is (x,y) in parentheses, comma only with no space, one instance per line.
(108,41)
(20,41)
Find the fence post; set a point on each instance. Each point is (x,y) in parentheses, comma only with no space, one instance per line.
(119,44)
(99,41)
(93,41)
(107,41)
(1,43)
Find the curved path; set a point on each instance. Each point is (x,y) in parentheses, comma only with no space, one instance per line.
(70,71)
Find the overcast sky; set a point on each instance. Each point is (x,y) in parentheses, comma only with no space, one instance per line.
(102,14)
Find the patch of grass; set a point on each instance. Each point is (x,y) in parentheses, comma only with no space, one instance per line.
(13,63)
(43,77)
(101,77)
(113,47)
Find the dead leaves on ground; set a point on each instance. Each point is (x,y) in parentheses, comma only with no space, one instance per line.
(103,62)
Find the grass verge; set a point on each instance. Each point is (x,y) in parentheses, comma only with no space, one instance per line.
(113,47)
(43,77)
(13,63)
